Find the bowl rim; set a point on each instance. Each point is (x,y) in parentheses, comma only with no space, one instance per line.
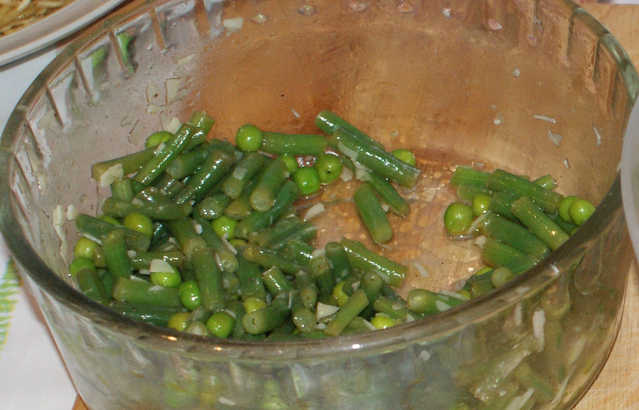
(164,339)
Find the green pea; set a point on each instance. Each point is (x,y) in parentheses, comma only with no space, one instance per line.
(189,293)
(140,223)
(79,263)
(179,321)
(564,208)
(220,324)
(291,162)
(501,276)
(581,210)
(85,248)
(253,303)
(166,279)
(383,321)
(224,227)
(481,202)
(458,218)
(406,156)
(329,167)
(157,138)
(248,138)
(307,180)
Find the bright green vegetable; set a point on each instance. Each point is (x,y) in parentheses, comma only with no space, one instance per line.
(212,171)
(564,208)
(138,291)
(263,196)
(80,262)
(581,210)
(224,227)
(212,206)
(85,248)
(307,180)
(220,324)
(329,167)
(351,309)
(291,162)
(387,193)
(248,138)
(115,254)
(458,218)
(244,170)
(157,138)
(138,222)
(372,215)
(364,259)
(179,321)
(481,204)
(538,223)
(293,144)
(406,155)
(189,294)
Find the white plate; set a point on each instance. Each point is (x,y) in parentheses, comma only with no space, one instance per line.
(52,28)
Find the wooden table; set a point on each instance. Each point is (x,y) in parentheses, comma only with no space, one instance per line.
(617,387)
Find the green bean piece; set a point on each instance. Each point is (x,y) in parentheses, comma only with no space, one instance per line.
(168,185)
(322,274)
(387,192)
(303,318)
(201,120)
(154,315)
(115,253)
(275,281)
(458,218)
(372,214)
(282,231)
(501,180)
(338,260)
(213,169)
(80,262)
(122,190)
(479,284)
(268,318)
(330,123)
(156,165)
(383,321)
(362,258)
(142,260)
(298,251)
(497,254)
(91,285)
(515,235)
(120,209)
(240,207)
(235,309)
(209,278)
(546,182)
(243,172)
(251,283)
(258,220)
(501,203)
(393,309)
(98,229)
(357,326)
(377,160)
(140,292)
(227,260)
(426,302)
(467,192)
(98,258)
(187,162)
(355,305)
(372,284)
(157,138)
(128,163)
(160,236)
(293,144)
(471,177)
(212,206)
(538,223)
(184,231)
(263,196)
(291,162)
(567,227)
(269,258)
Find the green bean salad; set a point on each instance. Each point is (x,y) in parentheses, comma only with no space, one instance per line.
(204,237)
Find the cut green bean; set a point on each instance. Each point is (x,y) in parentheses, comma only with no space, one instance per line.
(127,164)
(184,231)
(387,192)
(293,144)
(243,172)
(91,285)
(154,315)
(140,292)
(338,260)
(224,255)
(156,165)
(353,307)
(259,220)
(501,180)
(322,274)
(538,223)
(240,207)
(213,169)
(501,203)
(115,253)
(372,214)
(514,235)
(330,123)
(187,162)
(546,182)
(212,207)
(298,251)
(122,190)
(201,120)
(468,192)
(120,209)
(362,258)
(268,258)
(275,281)
(393,309)
(266,319)
(497,254)
(471,177)
(98,229)
(209,278)
(284,229)
(427,302)
(251,283)
(263,196)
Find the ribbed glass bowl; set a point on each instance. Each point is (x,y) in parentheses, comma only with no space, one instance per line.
(534,87)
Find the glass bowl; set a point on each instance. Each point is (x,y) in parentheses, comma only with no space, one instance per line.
(534,87)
